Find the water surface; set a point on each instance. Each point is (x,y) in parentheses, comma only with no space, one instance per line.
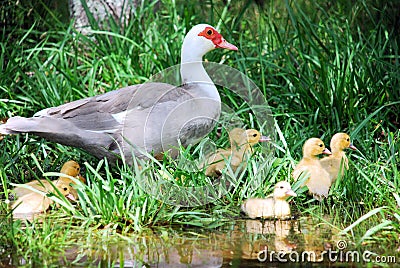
(242,243)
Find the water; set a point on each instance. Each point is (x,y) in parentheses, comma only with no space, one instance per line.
(242,243)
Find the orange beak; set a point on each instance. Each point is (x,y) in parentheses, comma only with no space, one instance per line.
(82,179)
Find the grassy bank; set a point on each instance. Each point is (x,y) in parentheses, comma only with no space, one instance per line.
(323,69)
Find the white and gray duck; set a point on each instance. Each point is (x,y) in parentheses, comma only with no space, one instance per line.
(146,118)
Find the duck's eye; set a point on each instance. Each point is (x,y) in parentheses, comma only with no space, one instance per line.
(281,187)
(210,32)
(321,145)
(78,169)
(65,188)
(348,139)
(255,135)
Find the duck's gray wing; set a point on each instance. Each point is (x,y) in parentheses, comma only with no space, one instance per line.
(101,123)
(96,114)
(93,123)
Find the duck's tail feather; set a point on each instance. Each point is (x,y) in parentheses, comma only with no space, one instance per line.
(17,125)
(13,126)
(55,129)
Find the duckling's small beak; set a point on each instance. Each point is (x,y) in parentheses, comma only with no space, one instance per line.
(70,197)
(326,151)
(351,146)
(291,193)
(82,179)
(265,138)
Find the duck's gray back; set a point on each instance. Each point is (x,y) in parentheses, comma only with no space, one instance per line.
(150,117)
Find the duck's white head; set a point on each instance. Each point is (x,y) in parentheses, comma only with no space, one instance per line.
(201,39)
(282,190)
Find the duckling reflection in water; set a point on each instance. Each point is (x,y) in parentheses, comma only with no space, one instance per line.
(274,206)
(277,233)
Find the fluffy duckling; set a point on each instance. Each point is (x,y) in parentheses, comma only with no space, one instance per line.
(33,203)
(274,206)
(338,160)
(241,141)
(318,181)
(70,168)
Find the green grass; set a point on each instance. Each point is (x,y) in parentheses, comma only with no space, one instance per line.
(323,68)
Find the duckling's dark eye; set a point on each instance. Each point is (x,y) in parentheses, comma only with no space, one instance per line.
(77,169)
(281,187)
(65,188)
(209,32)
(321,145)
(255,135)
(348,139)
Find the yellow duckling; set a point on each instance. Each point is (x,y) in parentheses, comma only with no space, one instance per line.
(33,203)
(318,181)
(274,206)
(70,168)
(338,160)
(241,141)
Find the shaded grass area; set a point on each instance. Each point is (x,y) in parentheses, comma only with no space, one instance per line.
(323,68)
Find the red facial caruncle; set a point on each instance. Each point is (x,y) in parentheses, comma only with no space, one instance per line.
(217,39)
